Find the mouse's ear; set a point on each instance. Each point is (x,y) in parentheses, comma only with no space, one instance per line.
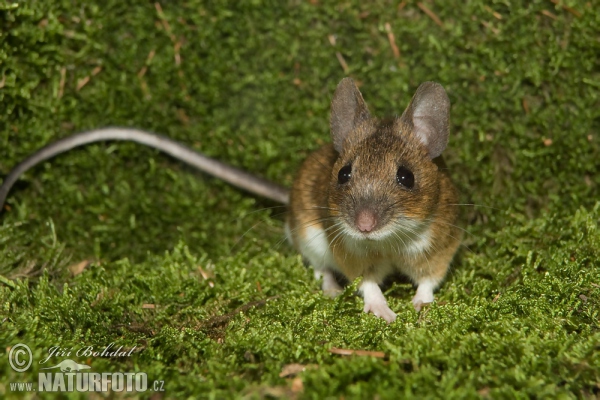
(429,114)
(348,109)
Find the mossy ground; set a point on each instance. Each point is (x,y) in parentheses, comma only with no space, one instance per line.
(250,83)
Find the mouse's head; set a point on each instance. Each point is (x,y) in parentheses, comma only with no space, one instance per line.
(384,185)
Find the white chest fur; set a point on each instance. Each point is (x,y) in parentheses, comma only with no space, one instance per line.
(313,245)
(394,251)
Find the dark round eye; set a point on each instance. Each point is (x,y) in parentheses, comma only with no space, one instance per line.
(405,177)
(345,174)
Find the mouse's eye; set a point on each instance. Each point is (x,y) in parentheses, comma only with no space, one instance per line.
(345,174)
(405,177)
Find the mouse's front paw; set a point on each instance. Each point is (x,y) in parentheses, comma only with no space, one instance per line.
(381,310)
(331,288)
(421,299)
(332,292)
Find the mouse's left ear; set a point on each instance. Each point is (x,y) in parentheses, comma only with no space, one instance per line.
(429,115)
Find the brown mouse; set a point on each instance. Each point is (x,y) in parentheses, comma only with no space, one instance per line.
(378,200)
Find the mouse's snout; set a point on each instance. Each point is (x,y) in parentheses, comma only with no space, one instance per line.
(366,221)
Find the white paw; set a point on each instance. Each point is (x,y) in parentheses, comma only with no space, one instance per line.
(330,286)
(332,292)
(421,299)
(381,310)
(424,293)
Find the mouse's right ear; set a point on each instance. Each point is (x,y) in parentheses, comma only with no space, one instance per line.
(348,109)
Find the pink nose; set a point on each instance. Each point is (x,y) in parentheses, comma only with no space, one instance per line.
(366,221)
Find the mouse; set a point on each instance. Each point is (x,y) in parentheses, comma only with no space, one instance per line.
(376,201)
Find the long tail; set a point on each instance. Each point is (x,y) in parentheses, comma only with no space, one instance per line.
(229,174)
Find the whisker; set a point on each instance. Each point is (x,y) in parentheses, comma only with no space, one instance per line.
(308,187)
(257,211)
(339,229)
(475,205)
(433,220)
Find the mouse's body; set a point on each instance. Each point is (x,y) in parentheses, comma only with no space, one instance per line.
(378,200)
(372,203)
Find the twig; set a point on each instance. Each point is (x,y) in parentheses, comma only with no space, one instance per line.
(220,320)
(525,105)
(392,40)
(294,369)
(176,43)
(82,82)
(569,9)
(342,62)
(163,21)
(142,71)
(340,57)
(331,39)
(61,84)
(496,15)
(145,89)
(430,14)
(549,14)
(78,268)
(204,274)
(349,352)
(490,27)
(177,47)
(85,80)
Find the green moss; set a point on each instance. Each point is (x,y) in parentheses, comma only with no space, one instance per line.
(250,83)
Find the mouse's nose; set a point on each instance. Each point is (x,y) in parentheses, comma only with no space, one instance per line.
(366,221)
